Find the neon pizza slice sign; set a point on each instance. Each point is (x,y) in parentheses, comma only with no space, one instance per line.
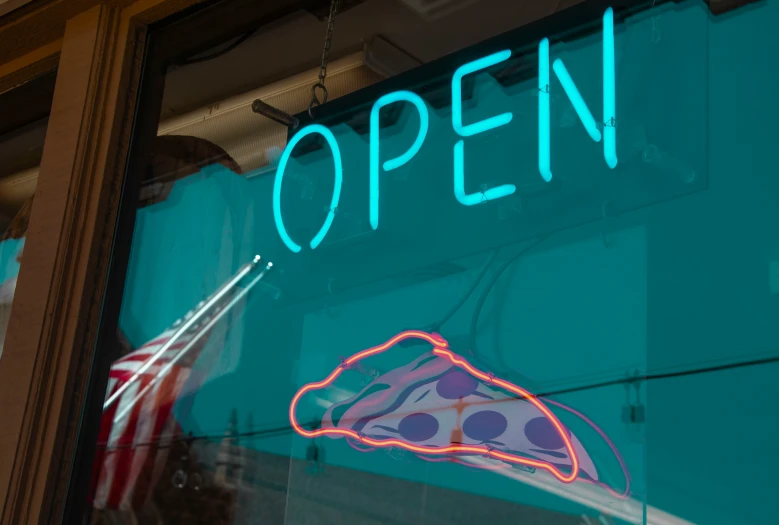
(410,401)
(608,135)
(440,349)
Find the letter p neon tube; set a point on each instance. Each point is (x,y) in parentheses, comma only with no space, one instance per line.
(424,124)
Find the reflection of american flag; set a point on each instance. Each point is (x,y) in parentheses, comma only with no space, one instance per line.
(128,463)
(138,422)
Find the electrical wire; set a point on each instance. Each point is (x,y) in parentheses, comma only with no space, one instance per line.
(483,299)
(664,375)
(437,326)
(204,58)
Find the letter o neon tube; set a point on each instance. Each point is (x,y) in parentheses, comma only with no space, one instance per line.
(333,143)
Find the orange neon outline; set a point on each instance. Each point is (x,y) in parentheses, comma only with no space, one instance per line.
(440,348)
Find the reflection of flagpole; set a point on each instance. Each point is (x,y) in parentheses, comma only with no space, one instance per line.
(186,325)
(204,330)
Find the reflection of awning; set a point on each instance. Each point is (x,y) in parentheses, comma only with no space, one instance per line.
(175,157)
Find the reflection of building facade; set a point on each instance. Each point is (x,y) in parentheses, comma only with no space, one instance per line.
(229,471)
(242,486)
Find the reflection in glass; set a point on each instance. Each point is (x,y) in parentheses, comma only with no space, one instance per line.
(414,358)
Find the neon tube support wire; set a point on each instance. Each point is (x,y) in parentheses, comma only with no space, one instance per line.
(213,300)
(240,295)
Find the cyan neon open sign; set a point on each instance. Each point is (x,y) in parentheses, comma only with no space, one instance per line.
(604,132)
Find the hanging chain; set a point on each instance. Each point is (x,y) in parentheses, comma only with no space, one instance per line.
(320,85)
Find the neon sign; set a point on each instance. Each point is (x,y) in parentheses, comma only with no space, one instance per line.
(333,143)
(465,130)
(398,410)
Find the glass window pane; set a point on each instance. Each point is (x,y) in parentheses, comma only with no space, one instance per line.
(496,278)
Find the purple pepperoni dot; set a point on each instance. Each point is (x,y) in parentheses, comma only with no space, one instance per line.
(418,427)
(543,434)
(485,425)
(456,384)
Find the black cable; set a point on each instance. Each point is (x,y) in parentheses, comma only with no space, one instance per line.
(664,375)
(240,40)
